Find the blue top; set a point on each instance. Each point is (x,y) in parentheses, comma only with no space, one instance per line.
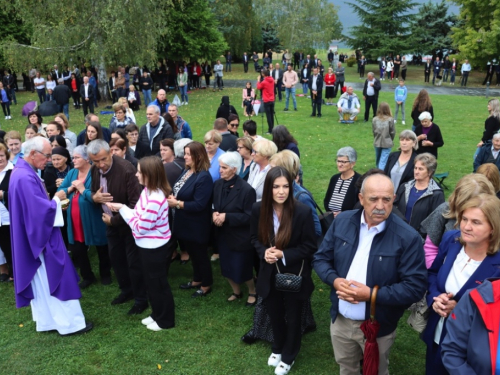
(5,98)
(93,82)
(94,229)
(244,173)
(214,165)
(303,196)
(414,196)
(17,157)
(400,94)
(184,128)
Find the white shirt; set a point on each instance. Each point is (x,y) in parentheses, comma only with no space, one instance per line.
(4,213)
(51,85)
(86,87)
(494,152)
(313,85)
(276,74)
(369,89)
(359,268)
(38,81)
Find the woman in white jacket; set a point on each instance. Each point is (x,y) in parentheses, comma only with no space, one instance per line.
(150,227)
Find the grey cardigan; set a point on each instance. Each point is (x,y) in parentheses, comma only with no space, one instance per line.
(436,225)
(383,132)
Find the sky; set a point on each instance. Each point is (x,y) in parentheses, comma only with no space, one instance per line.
(349,18)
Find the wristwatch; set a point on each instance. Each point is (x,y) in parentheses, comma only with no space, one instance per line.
(178,205)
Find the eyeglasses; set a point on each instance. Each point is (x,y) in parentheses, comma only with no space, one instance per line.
(241,148)
(47,156)
(343,162)
(234,125)
(255,152)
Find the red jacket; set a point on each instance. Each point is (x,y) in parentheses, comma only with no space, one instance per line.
(267,87)
(329,79)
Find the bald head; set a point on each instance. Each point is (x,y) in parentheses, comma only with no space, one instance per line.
(377,197)
(162,94)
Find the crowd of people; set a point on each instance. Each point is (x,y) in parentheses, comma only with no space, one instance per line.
(137,194)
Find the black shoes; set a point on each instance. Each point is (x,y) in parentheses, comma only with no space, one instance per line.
(87,328)
(251,304)
(138,308)
(122,298)
(248,339)
(201,293)
(189,285)
(86,283)
(286,109)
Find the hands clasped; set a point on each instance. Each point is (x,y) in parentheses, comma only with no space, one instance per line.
(272,255)
(351,290)
(444,304)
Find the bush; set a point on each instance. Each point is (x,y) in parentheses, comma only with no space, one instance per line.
(351,61)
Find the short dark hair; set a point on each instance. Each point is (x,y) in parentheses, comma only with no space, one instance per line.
(220,124)
(250,126)
(266,72)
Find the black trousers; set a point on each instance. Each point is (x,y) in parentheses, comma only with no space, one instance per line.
(245,67)
(285,315)
(269,108)
(81,259)
(426,76)
(371,101)
(316,106)
(277,90)
(207,80)
(338,85)
(465,76)
(403,74)
(154,266)
(126,262)
(361,71)
(88,105)
(202,269)
(488,78)
(5,243)
(6,108)
(396,71)
(76,98)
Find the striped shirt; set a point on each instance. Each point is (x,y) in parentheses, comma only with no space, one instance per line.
(339,192)
(149,219)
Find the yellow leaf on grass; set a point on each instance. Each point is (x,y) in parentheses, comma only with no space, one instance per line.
(159,366)
(21,325)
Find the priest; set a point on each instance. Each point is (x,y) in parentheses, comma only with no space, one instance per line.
(44,275)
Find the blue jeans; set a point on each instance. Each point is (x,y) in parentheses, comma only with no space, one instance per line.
(13,95)
(228,65)
(147,97)
(381,157)
(402,105)
(41,95)
(64,108)
(184,95)
(452,79)
(445,74)
(291,91)
(305,87)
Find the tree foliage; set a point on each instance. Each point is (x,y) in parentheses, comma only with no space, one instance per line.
(478,35)
(237,23)
(384,27)
(195,35)
(300,23)
(431,28)
(270,40)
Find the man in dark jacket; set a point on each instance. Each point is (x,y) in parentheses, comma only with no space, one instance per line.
(488,153)
(228,140)
(277,75)
(316,87)
(152,133)
(87,93)
(62,94)
(370,94)
(362,249)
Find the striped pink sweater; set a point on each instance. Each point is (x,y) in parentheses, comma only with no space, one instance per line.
(149,219)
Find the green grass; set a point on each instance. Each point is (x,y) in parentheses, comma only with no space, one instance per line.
(206,339)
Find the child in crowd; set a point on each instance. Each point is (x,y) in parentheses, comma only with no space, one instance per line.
(400,94)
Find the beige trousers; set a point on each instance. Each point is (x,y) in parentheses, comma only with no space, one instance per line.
(348,343)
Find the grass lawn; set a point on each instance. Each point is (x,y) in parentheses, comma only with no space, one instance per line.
(206,339)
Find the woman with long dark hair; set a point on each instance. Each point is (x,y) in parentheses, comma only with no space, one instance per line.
(282,232)
(284,140)
(421,104)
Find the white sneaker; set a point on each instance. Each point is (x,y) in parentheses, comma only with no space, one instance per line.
(181,104)
(186,103)
(10,117)
(154,327)
(147,321)
(283,368)
(404,123)
(274,360)
(395,122)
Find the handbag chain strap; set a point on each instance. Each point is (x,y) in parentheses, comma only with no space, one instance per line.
(301,268)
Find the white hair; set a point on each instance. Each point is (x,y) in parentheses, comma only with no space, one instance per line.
(496,135)
(97,146)
(425,116)
(60,81)
(35,144)
(232,159)
(155,107)
(179,146)
(82,151)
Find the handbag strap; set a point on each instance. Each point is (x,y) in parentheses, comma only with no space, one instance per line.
(314,202)
(301,268)
(373,299)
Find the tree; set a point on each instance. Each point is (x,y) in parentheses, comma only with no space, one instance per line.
(478,35)
(300,24)
(270,40)
(237,23)
(195,35)
(99,32)
(384,27)
(431,28)
(14,28)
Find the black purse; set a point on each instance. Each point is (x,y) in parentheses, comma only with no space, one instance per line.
(288,282)
(325,219)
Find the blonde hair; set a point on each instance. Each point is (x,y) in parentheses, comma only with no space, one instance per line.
(265,147)
(288,160)
(490,170)
(212,135)
(490,207)
(467,187)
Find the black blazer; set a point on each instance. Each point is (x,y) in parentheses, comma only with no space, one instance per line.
(376,87)
(407,174)
(304,76)
(351,196)
(91,92)
(319,87)
(302,246)
(238,209)
(434,136)
(193,222)
(280,74)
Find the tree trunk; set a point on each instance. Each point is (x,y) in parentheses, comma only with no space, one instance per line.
(103,80)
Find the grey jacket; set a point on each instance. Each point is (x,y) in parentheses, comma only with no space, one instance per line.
(436,225)
(339,74)
(383,132)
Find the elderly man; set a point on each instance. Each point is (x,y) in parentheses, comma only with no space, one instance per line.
(43,272)
(348,104)
(228,140)
(114,180)
(62,94)
(152,133)
(316,87)
(339,78)
(370,94)
(290,79)
(161,101)
(488,153)
(87,94)
(182,125)
(362,249)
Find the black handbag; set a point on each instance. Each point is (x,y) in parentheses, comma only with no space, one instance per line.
(325,219)
(288,282)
